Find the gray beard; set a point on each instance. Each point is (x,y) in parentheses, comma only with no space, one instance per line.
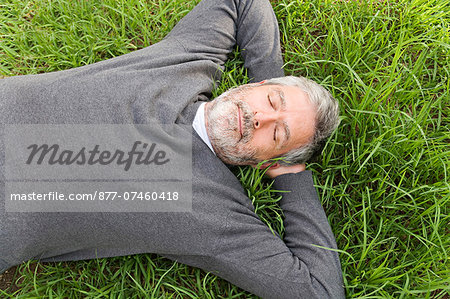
(223,132)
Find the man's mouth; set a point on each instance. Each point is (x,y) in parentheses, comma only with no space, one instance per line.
(240,122)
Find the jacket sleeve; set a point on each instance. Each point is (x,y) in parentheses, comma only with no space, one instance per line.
(303,265)
(213,28)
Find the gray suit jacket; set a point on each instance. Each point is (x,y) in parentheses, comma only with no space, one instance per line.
(166,82)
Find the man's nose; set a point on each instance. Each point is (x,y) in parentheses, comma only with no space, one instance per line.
(260,119)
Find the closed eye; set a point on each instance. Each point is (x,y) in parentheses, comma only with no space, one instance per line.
(270,102)
(274,130)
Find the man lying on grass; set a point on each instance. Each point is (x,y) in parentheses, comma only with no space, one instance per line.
(171,82)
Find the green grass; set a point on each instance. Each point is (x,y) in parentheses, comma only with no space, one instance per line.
(383,177)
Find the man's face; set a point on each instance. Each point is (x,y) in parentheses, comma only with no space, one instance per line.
(259,122)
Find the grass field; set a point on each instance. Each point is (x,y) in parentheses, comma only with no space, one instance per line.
(383,178)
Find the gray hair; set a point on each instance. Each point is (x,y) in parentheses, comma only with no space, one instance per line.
(327,117)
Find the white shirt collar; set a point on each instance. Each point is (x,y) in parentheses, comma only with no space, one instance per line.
(199,125)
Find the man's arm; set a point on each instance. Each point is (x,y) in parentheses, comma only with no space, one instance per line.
(307,228)
(250,256)
(309,270)
(212,28)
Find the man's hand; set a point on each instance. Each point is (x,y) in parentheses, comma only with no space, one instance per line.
(276,169)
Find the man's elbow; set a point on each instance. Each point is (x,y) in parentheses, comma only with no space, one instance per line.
(329,285)
(322,285)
